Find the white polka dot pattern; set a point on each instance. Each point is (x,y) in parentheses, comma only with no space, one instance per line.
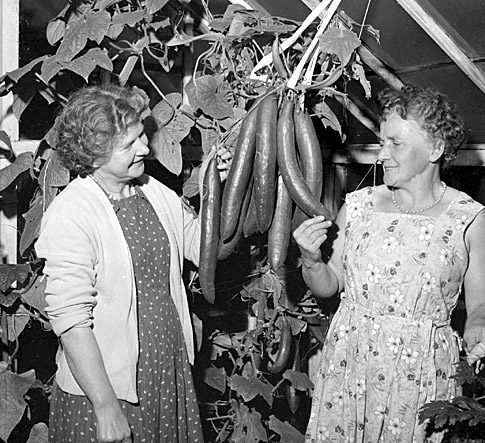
(167,411)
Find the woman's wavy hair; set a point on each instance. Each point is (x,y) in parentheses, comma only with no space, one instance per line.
(92,121)
(436,113)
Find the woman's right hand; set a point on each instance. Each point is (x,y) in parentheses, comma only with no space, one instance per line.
(310,235)
(112,425)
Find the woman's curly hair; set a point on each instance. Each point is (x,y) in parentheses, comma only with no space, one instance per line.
(93,120)
(438,115)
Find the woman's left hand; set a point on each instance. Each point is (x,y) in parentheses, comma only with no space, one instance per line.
(474,336)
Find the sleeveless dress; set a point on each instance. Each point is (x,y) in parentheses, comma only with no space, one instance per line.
(390,347)
(167,411)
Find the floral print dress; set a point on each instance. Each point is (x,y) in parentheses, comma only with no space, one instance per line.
(390,347)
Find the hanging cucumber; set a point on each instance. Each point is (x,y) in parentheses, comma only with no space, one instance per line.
(293,396)
(227,248)
(310,156)
(239,174)
(280,231)
(265,161)
(209,235)
(284,348)
(288,165)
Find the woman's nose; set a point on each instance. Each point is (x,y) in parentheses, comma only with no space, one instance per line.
(143,148)
(383,153)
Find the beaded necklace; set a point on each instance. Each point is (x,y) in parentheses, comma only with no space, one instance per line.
(108,193)
(432,205)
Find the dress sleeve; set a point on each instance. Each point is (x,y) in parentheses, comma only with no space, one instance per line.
(70,272)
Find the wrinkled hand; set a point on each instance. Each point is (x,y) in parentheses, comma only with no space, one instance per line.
(310,235)
(112,425)
(474,338)
(224,161)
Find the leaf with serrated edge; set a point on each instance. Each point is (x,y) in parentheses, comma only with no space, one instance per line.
(341,42)
(213,98)
(248,388)
(12,404)
(10,273)
(327,116)
(287,432)
(298,380)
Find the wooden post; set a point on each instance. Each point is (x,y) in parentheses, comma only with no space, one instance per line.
(9,60)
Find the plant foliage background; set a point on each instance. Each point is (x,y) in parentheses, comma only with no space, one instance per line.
(234,64)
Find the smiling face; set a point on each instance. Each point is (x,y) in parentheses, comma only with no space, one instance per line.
(407,152)
(126,161)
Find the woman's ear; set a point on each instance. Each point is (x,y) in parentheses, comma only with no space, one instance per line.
(438,151)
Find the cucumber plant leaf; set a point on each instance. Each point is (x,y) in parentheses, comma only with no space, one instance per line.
(10,173)
(341,42)
(13,387)
(285,430)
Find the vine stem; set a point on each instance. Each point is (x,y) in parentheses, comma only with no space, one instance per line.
(4,336)
(268,58)
(323,25)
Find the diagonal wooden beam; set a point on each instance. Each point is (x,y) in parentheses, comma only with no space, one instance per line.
(426,16)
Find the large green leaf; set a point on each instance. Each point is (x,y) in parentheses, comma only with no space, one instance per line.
(287,432)
(165,143)
(50,68)
(97,24)
(73,42)
(33,218)
(10,273)
(12,404)
(34,296)
(21,164)
(298,380)
(155,5)
(250,387)
(39,433)
(18,73)
(341,42)
(85,64)
(216,378)
(56,29)
(211,95)
(248,427)
(17,322)
(130,18)
(23,94)
(165,110)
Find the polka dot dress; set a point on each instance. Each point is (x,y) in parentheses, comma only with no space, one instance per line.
(167,411)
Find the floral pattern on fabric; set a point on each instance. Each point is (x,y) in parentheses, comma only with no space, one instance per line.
(390,347)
